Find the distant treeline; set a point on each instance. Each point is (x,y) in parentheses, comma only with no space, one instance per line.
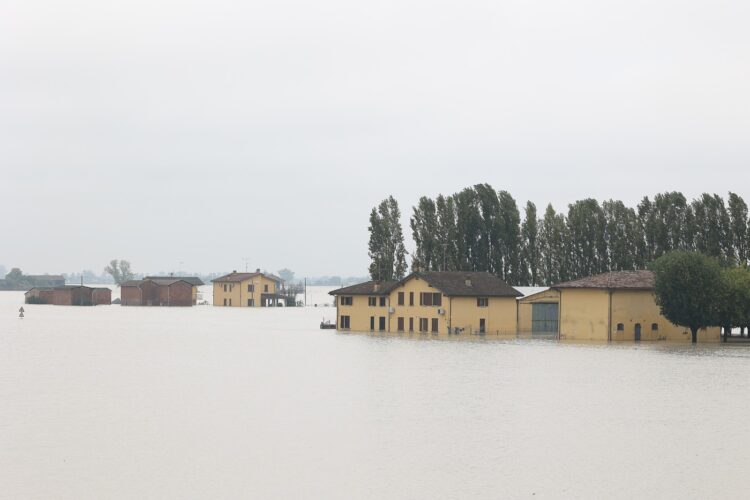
(481,229)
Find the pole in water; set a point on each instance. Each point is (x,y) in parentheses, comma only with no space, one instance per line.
(20,313)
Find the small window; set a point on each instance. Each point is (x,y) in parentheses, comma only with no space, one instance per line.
(346,300)
(251,288)
(382,301)
(400,324)
(381,323)
(250,302)
(225,300)
(434,325)
(620,327)
(654,327)
(401,298)
(372,301)
(230,302)
(483,301)
(411,324)
(411,298)
(344,323)
(265,288)
(225,287)
(423,324)
(430,299)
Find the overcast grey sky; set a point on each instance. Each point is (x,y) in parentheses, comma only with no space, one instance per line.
(205,132)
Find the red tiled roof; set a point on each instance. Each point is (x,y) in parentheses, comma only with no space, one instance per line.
(634,280)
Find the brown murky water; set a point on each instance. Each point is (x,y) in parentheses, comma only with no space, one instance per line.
(151,403)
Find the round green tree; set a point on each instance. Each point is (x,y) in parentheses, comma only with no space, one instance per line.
(687,286)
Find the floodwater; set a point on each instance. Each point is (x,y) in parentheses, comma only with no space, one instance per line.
(114,402)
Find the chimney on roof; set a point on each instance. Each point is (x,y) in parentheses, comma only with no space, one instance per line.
(376,287)
(468,282)
(234,272)
(257,270)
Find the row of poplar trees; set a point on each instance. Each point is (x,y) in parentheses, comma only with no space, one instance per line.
(482,229)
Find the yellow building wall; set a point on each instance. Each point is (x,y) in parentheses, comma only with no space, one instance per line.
(631,307)
(360,312)
(417,286)
(462,312)
(499,315)
(525,309)
(239,294)
(584,314)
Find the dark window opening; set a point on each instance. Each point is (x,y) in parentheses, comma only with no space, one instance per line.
(401,298)
(430,299)
(654,327)
(372,301)
(434,325)
(382,301)
(620,327)
(483,301)
(344,323)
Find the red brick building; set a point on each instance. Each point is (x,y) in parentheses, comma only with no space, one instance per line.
(39,296)
(79,295)
(167,292)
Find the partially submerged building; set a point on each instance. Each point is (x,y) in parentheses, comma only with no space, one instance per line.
(618,305)
(248,290)
(614,306)
(69,295)
(430,302)
(39,295)
(160,291)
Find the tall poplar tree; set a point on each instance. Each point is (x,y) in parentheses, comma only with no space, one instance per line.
(738,228)
(386,245)
(447,233)
(509,235)
(530,272)
(424,230)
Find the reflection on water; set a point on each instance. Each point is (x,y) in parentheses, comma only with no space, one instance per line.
(120,403)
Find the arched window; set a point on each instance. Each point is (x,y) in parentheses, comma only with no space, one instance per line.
(654,327)
(620,327)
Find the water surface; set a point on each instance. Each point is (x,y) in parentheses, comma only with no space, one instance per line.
(153,403)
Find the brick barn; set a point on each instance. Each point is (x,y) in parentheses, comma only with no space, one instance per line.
(79,295)
(167,292)
(39,296)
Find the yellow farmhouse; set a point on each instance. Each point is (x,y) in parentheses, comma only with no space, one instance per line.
(430,302)
(247,290)
(618,306)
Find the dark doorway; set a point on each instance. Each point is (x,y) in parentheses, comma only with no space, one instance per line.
(482,325)
(382,323)
(637,332)
(544,319)
(372,323)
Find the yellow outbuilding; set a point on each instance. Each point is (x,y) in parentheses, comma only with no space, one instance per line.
(436,303)
(247,290)
(618,306)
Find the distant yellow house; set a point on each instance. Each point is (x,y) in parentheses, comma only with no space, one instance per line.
(617,306)
(430,303)
(247,290)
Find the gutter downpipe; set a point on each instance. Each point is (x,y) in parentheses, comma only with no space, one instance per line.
(559,313)
(609,318)
(450,314)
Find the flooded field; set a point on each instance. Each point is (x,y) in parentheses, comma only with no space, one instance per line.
(152,403)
